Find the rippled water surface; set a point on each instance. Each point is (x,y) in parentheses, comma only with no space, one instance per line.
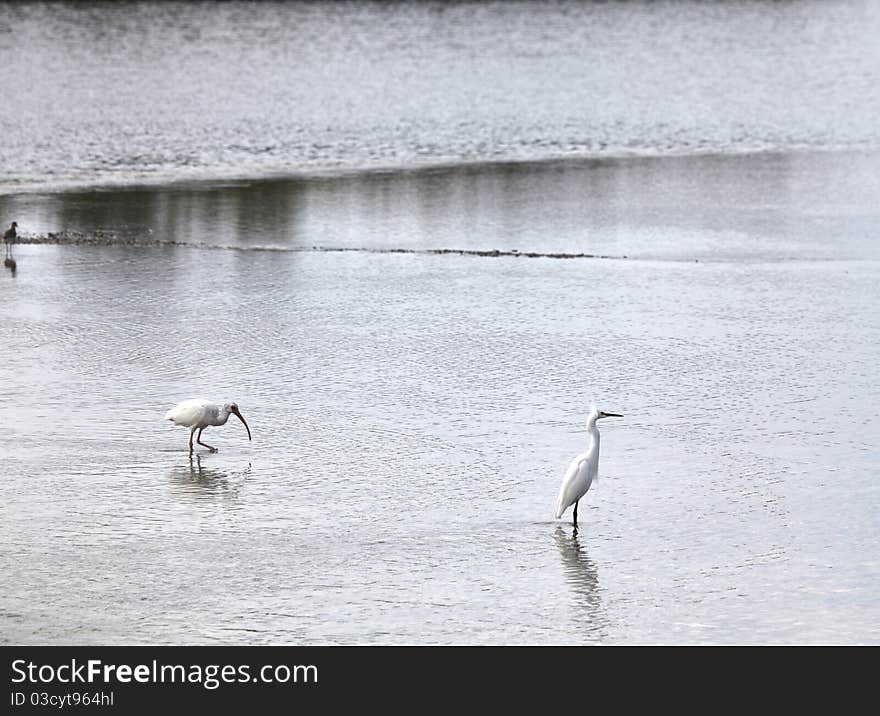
(412,412)
(122,92)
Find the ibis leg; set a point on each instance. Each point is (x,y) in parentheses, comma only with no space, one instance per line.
(576,512)
(199,441)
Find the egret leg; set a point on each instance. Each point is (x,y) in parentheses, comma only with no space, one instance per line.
(199,441)
(576,513)
(191,433)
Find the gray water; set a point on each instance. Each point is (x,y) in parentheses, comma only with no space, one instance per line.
(413,413)
(349,218)
(125,92)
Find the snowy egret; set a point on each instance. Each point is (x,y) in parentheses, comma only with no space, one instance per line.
(583,469)
(199,414)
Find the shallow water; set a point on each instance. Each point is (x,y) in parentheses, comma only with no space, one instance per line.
(412,413)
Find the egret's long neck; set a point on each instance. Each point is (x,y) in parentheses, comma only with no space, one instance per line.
(593,430)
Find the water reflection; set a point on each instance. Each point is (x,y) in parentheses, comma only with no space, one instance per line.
(583,578)
(197,480)
(521,206)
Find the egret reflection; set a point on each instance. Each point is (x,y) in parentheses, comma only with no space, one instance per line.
(582,576)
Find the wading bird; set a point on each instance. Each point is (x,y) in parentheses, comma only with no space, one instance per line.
(583,469)
(199,414)
(9,237)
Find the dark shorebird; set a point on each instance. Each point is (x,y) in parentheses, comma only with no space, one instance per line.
(9,237)
(10,234)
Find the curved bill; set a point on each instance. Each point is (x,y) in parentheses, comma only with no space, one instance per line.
(243,421)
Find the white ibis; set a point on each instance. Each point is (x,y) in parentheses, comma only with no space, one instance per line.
(199,414)
(583,469)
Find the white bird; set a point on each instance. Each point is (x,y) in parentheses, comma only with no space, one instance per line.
(583,469)
(198,414)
